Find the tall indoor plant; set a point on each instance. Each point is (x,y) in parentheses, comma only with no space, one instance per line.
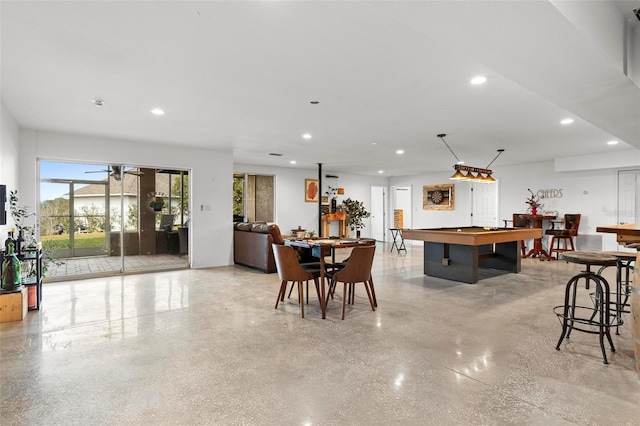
(355,212)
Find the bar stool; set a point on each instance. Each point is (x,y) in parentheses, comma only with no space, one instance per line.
(595,319)
(624,268)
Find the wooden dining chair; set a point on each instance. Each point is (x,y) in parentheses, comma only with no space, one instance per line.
(565,234)
(518,220)
(289,270)
(356,270)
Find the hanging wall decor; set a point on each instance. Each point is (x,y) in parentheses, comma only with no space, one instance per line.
(438,197)
(311,190)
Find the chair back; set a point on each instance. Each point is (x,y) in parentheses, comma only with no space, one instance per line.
(287,264)
(166,220)
(520,221)
(571,223)
(358,267)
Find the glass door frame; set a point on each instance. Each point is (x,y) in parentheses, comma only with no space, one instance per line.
(72,213)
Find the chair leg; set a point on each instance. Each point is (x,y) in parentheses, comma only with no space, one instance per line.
(281,292)
(552,248)
(301,297)
(373,291)
(317,291)
(351,295)
(366,286)
(344,299)
(290,290)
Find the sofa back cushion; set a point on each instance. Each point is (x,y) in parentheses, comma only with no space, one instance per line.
(244,226)
(273,229)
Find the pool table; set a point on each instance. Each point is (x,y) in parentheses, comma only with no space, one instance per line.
(458,253)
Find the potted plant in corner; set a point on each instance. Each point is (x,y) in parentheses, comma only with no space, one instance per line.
(355,212)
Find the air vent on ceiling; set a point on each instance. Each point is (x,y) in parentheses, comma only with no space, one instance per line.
(276,154)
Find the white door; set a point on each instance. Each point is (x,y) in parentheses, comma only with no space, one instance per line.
(628,187)
(377,213)
(402,201)
(484,204)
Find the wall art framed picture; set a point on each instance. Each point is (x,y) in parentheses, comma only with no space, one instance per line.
(311,190)
(438,197)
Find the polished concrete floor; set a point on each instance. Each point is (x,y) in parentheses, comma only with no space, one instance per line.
(207,346)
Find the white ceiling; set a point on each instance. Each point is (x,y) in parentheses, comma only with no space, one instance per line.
(387,75)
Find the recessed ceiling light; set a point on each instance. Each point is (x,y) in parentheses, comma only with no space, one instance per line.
(400,151)
(306,136)
(567,121)
(97,102)
(480,79)
(612,143)
(380,171)
(292,162)
(157,111)
(374,143)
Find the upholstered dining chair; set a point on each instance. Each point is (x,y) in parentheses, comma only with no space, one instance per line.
(289,270)
(518,220)
(356,270)
(565,234)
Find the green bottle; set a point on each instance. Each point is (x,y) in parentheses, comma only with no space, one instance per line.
(11,273)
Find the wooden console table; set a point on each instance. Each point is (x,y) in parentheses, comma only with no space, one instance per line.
(341,218)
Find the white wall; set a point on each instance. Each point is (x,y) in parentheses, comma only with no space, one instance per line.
(605,24)
(592,193)
(210,179)
(291,209)
(8,154)
(459,216)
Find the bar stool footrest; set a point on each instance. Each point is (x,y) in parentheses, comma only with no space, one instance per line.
(586,321)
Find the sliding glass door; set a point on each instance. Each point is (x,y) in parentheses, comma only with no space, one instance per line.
(74,225)
(97,219)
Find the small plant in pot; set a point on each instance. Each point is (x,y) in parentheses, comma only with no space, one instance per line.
(355,212)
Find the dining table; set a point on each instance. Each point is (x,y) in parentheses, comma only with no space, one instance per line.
(322,247)
(536,221)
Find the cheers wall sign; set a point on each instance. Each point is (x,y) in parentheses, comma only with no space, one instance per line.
(549,193)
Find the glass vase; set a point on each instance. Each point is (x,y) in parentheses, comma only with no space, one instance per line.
(11,274)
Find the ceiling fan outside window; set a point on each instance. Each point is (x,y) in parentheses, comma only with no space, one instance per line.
(116,172)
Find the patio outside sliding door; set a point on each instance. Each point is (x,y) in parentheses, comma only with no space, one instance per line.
(104,220)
